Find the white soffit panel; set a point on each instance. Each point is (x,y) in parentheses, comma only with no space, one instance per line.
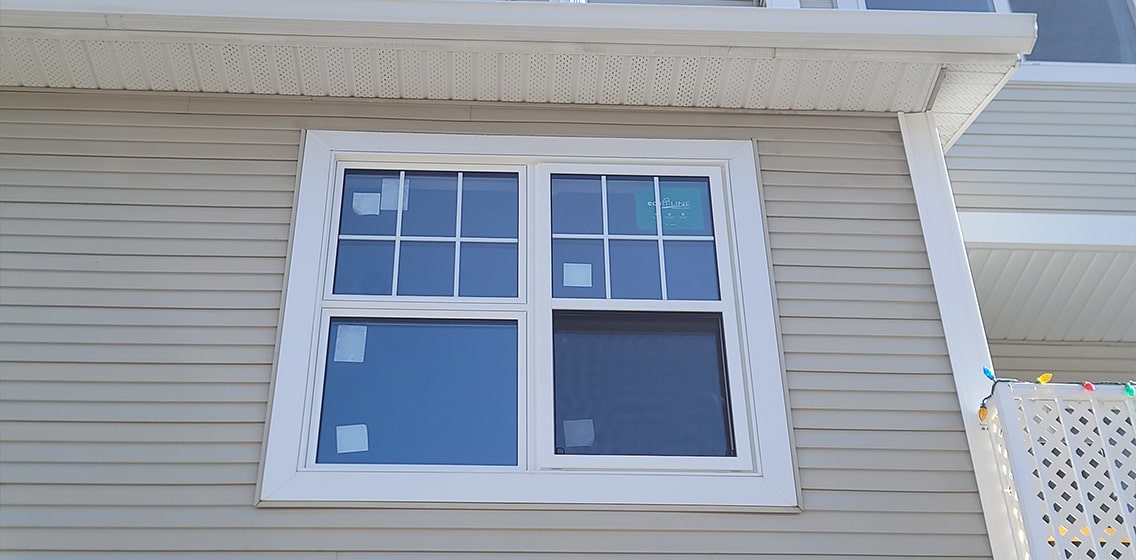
(1056,294)
(662,56)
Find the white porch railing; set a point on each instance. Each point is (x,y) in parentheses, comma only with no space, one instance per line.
(1068,465)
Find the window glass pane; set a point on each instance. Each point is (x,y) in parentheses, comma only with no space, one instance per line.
(488,270)
(1100,31)
(364,267)
(640,384)
(692,271)
(489,205)
(578,268)
(426,268)
(635,270)
(370,202)
(933,5)
(437,392)
(686,206)
(630,205)
(577,206)
(431,204)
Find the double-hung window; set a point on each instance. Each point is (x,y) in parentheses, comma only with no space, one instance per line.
(528,320)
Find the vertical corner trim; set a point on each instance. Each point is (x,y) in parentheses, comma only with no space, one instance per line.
(958,308)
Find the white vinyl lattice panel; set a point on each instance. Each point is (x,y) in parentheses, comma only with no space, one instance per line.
(1070,465)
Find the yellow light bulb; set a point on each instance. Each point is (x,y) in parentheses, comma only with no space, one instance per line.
(1044,378)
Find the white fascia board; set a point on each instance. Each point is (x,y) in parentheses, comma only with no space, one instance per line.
(972,33)
(1068,74)
(962,321)
(1028,228)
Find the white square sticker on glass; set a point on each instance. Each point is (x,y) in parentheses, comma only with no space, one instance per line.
(350,343)
(579,433)
(351,438)
(366,203)
(578,275)
(390,195)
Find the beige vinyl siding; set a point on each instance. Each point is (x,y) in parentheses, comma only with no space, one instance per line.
(1049,148)
(143,258)
(1067,362)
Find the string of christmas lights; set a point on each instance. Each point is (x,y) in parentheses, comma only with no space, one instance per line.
(1044,379)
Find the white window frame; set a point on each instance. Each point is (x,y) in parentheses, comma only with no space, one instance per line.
(762,475)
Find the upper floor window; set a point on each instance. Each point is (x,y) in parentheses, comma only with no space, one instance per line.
(1081,31)
(528,320)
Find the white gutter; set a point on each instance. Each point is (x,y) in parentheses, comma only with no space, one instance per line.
(543,21)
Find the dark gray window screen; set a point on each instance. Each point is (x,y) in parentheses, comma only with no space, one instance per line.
(640,383)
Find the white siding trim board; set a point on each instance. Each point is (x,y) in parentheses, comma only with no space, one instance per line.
(962,321)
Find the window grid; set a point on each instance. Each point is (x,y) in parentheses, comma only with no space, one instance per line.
(659,236)
(398,238)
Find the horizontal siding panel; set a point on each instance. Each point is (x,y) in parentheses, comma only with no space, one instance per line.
(183,453)
(891,382)
(895,440)
(840,210)
(219,149)
(147,229)
(132,432)
(85,280)
(1042,148)
(139,180)
(145,295)
(864,292)
(907,243)
(238,517)
(180,299)
(852,344)
(651,542)
(134,475)
(219,198)
(89,245)
(810,179)
(851,195)
(126,411)
(151,165)
(128,373)
(139,213)
(878,276)
(171,316)
(832,400)
(160,391)
(849,258)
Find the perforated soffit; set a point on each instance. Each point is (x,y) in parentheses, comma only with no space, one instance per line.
(956,86)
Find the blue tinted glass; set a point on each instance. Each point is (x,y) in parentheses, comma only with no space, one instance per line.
(932,5)
(370,202)
(426,268)
(686,206)
(488,270)
(635,270)
(640,384)
(692,270)
(431,205)
(631,205)
(420,392)
(1102,31)
(577,268)
(489,205)
(364,267)
(577,206)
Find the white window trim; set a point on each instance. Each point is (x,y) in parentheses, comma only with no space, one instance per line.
(290,476)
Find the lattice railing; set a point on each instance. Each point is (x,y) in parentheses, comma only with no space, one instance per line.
(1068,465)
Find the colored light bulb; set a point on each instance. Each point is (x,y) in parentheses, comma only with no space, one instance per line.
(982,412)
(1130,389)
(988,373)
(1044,378)
(1089,386)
